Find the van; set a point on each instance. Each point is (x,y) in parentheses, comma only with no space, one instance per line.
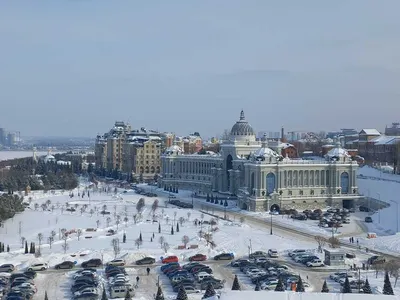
(296,252)
(119,291)
(202,275)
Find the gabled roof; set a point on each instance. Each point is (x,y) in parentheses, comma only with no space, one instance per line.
(369,132)
(386,140)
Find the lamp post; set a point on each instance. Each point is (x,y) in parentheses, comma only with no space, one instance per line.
(397,215)
(271,224)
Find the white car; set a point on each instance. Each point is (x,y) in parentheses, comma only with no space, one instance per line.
(261,260)
(269,284)
(87,290)
(38,267)
(315,263)
(253,271)
(273,253)
(116,262)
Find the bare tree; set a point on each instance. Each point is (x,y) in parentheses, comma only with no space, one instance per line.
(118,221)
(40,239)
(175,213)
(82,210)
(393,268)
(50,240)
(181,220)
(242,219)
(108,220)
(208,237)
(154,206)
(378,268)
(167,220)
(161,240)
(79,233)
(52,208)
(140,205)
(188,215)
(23,241)
(165,247)
(334,242)
(115,246)
(91,212)
(65,245)
(97,223)
(48,202)
(321,242)
(76,205)
(138,243)
(104,207)
(63,232)
(135,218)
(185,240)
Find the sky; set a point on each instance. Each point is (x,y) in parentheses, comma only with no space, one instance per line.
(74,67)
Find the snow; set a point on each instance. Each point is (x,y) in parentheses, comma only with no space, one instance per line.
(240,295)
(5,155)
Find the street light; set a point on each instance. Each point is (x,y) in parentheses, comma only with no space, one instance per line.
(397,214)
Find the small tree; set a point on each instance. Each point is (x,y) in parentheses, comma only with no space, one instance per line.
(181,220)
(258,287)
(159,227)
(185,240)
(188,215)
(104,295)
(279,287)
(300,286)
(226,203)
(79,233)
(177,227)
(393,267)
(321,242)
(22,241)
(334,242)
(138,243)
(165,247)
(115,246)
(97,223)
(236,285)
(8,248)
(26,247)
(242,219)
(387,286)
(210,291)
(325,288)
(40,239)
(346,287)
(182,294)
(172,230)
(128,295)
(154,206)
(124,238)
(140,237)
(161,240)
(367,287)
(91,212)
(108,221)
(160,294)
(45,295)
(140,205)
(50,240)
(65,245)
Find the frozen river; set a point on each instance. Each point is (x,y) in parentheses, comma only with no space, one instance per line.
(4,155)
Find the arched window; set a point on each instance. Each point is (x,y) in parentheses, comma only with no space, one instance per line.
(270,183)
(152,170)
(344,182)
(146,170)
(252,183)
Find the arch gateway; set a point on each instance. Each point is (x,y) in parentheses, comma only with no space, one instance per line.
(259,178)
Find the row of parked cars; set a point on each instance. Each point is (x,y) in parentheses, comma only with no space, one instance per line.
(86,285)
(144,193)
(118,282)
(17,286)
(266,272)
(193,277)
(306,258)
(180,204)
(356,282)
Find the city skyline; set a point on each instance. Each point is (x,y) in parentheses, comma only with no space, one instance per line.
(183,67)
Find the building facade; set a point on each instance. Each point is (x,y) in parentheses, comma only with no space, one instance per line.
(260,178)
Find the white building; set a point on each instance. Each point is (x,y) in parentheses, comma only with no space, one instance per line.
(259,177)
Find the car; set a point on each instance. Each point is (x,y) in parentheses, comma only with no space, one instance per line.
(116,262)
(7,268)
(296,252)
(146,261)
(374,260)
(236,263)
(224,256)
(65,265)
(92,263)
(188,288)
(368,220)
(273,253)
(198,257)
(170,259)
(38,267)
(315,263)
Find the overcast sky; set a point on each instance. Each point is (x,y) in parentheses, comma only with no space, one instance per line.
(71,68)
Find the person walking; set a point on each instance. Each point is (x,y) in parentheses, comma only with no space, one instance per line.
(148,271)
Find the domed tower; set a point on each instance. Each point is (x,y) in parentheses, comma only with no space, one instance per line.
(242,130)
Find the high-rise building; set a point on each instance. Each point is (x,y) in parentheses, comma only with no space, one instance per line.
(11,139)
(2,136)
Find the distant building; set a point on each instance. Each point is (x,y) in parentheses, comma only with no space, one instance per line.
(394,130)
(11,139)
(3,136)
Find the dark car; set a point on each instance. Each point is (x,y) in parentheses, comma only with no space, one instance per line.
(65,265)
(95,262)
(258,254)
(224,256)
(217,284)
(374,260)
(146,261)
(368,220)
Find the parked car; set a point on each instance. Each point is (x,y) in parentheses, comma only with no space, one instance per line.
(116,262)
(258,254)
(374,260)
(224,256)
(296,251)
(92,263)
(198,257)
(146,261)
(368,220)
(170,259)
(38,267)
(65,265)
(273,253)
(315,263)
(7,268)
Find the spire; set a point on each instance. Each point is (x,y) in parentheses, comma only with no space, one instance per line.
(264,141)
(242,115)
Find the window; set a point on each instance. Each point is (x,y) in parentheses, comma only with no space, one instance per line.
(270,183)
(344,182)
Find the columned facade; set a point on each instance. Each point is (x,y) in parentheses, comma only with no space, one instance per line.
(261,178)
